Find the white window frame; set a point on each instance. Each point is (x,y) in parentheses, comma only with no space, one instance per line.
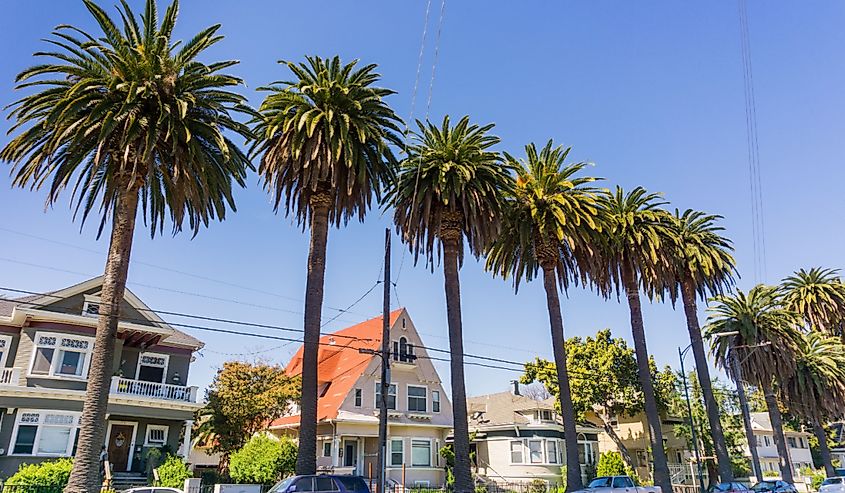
(154,355)
(148,443)
(552,458)
(395,394)
(329,443)
(40,425)
(521,445)
(58,347)
(430,449)
(6,348)
(408,397)
(91,300)
(358,397)
(542,452)
(392,441)
(438,401)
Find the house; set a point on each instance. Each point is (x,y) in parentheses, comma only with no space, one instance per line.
(46,343)
(837,444)
(798,447)
(632,432)
(518,439)
(420,414)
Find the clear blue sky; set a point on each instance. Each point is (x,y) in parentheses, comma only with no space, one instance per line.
(652,92)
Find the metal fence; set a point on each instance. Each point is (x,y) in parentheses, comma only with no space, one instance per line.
(21,488)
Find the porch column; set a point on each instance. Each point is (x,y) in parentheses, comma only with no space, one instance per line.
(185,449)
(335,451)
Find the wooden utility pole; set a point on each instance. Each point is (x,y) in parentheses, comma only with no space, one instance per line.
(385,369)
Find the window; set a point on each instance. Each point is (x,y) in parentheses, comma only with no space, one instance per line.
(759,440)
(622,482)
(305,484)
(791,442)
(327,449)
(435,401)
(359,397)
(324,483)
(391,396)
(766,440)
(61,355)
(403,351)
(156,436)
(535,451)
(587,452)
(543,415)
(420,453)
(5,347)
(91,307)
(152,367)
(551,451)
(417,399)
(516,452)
(50,433)
(397,452)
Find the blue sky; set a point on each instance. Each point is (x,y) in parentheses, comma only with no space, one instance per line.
(651,92)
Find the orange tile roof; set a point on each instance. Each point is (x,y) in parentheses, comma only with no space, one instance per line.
(340,364)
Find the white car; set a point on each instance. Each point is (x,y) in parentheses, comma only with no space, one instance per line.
(152,489)
(833,485)
(617,484)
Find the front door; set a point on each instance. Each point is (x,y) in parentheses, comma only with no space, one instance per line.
(350,454)
(119,445)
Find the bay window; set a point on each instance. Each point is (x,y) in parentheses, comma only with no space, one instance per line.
(46,433)
(516,452)
(551,451)
(58,355)
(420,453)
(535,451)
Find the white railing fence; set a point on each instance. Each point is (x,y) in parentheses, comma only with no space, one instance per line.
(155,390)
(10,376)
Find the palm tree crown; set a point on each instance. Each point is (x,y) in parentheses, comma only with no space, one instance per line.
(816,390)
(701,254)
(818,295)
(763,334)
(326,134)
(131,110)
(548,218)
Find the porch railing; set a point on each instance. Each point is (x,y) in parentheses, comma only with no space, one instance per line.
(154,390)
(10,376)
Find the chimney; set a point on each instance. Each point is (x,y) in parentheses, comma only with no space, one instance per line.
(515,384)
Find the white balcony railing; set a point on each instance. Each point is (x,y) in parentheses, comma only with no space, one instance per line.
(10,376)
(680,473)
(153,390)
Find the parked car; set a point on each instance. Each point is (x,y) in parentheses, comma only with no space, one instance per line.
(333,483)
(731,487)
(151,489)
(617,484)
(774,486)
(833,485)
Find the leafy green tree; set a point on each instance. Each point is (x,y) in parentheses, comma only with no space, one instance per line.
(51,474)
(815,392)
(263,460)
(173,472)
(762,337)
(549,215)
(611,464)
(604,380)
(449,191)
(242,399)
(634,250)
(703,266)
(131,120)
(323,140)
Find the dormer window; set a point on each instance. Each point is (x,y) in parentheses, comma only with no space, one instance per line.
(543,415)
(403,351)
(91,308)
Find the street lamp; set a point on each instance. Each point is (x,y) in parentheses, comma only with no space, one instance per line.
(681,354)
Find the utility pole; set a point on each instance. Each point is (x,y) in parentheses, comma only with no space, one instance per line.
(385,369)
(694,434)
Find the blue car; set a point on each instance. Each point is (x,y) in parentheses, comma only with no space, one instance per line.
(322,483)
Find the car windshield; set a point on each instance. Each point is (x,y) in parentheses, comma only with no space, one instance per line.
(832,481)
(599,483)
(281,485)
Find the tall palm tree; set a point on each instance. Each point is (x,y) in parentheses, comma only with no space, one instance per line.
(134,121)
(703,266)
(324,142)
(635,251)
(818,295)
(761,337)
(450,190)
(816,390)
(548,219)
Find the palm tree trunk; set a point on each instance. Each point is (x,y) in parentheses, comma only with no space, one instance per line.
(746,417)
(306,459)
(777,426)
(701,368)
(463,475)
(620,445)
(661,468)
(570,434)
(85,475)
(824,449)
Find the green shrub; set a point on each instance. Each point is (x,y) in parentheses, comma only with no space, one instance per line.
(771,474)
(263,460)
(173,472)
(54,473)
(612,464)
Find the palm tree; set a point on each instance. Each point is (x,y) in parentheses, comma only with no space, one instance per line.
(818,295)
(324,138)
(703,266)
(634,253)
(760,335)
(546,225)
(816,390)
(134,121)
(449,190)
